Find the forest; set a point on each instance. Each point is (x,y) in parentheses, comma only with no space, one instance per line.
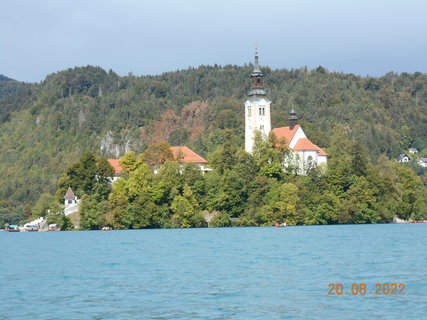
(86,114)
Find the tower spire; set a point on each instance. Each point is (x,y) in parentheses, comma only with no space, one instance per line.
(257,108)
(293,119)
(256,75)
(256,65)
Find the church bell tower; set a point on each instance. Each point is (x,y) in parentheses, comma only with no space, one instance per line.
(257,109)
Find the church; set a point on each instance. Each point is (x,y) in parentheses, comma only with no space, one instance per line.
(304,153)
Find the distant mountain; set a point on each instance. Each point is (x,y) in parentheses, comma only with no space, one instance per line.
(4,78)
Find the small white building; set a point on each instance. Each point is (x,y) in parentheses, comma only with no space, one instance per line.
(423,162)
(71,202)
(403,158)
(70,198)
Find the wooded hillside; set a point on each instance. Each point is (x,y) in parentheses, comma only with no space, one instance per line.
(45,127)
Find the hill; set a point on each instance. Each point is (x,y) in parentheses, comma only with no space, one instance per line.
(4,78)
(45,127)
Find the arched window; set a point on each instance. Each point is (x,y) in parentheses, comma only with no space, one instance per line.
(249,111)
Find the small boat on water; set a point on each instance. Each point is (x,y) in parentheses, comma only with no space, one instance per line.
(31,227)
(54,227)
(280,224)
(13,228)
(106,229)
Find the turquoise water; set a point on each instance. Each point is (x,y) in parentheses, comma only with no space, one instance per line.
(236,273)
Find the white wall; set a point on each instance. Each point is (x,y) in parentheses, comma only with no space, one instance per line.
(298,135)
(254,121)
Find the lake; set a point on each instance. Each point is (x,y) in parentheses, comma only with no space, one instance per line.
(224,273)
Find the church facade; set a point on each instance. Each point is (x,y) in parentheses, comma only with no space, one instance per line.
(304,153)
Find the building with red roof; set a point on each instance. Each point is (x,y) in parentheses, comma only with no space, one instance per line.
(181,154)
(118,170)
(304,153)
(184,154)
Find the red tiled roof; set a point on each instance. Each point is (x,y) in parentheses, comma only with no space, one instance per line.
(285,132)
(69,194)
(185,154)
(302,144)
(116,165)
(305,144)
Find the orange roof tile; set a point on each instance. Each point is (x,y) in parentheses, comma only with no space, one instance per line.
(185,154)
(305,144)
(285,132)
(116,165)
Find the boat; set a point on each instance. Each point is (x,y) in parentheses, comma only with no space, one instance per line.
(54,227)
(13,228)
(32,227)
(106,229)
(280,224)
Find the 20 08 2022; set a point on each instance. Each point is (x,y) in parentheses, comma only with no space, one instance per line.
(361,288)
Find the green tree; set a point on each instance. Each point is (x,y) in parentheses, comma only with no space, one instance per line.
(186,212)
(269,155)
(42,205)
(93,212)
(224,157)
(128,161)
(360,205)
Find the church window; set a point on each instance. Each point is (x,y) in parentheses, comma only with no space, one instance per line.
(262,111)
(259,80)
(249,111)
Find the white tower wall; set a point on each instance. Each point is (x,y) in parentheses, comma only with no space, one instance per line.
(257,117)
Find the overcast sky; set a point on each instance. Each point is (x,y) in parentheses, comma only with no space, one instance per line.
(366,37)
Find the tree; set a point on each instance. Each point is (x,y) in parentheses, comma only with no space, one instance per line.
(157,153)
(170,179)
(43,204)
(269,155)
(89,175)
(360,205)
(128,161)
(224,157)
(410,188)
(93,212)
(359,159)
(186,212)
